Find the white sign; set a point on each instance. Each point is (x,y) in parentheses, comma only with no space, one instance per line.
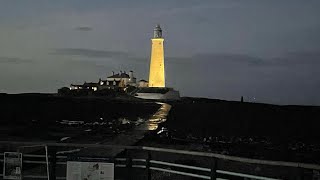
(12,165)
(90,171)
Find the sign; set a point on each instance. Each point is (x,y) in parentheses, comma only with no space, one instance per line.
(90,170)
(12,165)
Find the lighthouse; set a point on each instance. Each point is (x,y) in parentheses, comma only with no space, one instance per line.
(157,85)
(157,71)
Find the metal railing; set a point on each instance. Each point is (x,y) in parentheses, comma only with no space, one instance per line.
(213,169)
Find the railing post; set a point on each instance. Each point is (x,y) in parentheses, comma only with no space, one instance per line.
(47,161)
(128,164)
(301,172)
(213,173)
(53,163)
(148,166)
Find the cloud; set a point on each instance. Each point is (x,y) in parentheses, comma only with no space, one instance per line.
(83,28)
(221,58)
(116,58)
(90,53)
(289,59)
(298,58)
(233,58)
(14,60)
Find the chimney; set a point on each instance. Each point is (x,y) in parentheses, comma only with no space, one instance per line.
(131,74)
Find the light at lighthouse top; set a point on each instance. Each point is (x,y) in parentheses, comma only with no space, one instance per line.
(157,32)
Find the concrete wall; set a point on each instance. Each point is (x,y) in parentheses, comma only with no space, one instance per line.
(143,84)
(172,95)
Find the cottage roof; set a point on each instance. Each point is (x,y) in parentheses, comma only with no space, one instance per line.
(90,84)
(75,85)
(120,75)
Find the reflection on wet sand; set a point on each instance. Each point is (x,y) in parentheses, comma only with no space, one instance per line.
(159,117)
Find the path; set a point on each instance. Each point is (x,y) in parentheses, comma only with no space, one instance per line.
(130,137)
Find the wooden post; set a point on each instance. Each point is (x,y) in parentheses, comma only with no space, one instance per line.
(47,161)
(128,164)
(148,170)
(213,173)
(53,163)
(301,172)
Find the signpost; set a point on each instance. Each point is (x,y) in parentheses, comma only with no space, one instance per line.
(90,170)
(12,165)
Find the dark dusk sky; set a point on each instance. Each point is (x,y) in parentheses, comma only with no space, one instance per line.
(267,50)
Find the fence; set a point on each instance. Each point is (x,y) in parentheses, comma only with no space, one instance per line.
(136,162)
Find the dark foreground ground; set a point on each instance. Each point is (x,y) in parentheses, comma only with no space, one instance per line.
(47,117)
(287,133)
(262,131)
